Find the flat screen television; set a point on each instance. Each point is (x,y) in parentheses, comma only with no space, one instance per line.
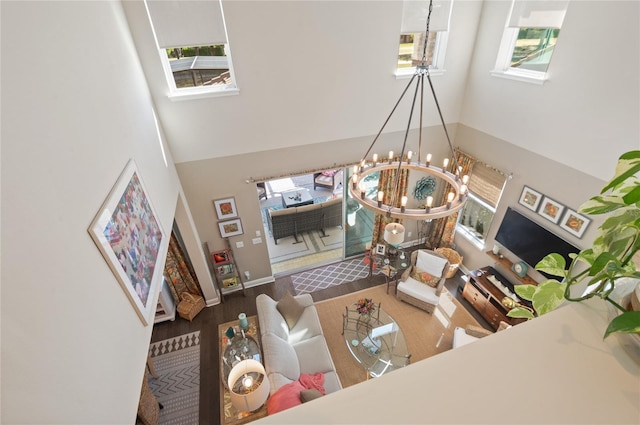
(530,241)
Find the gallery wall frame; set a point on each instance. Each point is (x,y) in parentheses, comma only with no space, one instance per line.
(221,257)
(230,228)
(574,223)
(530,198)
(551,209)
(130,237)
(226,208)
(380,248)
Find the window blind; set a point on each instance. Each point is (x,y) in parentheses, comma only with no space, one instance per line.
(538,13)
(487,183)
(414,15)
(187,22)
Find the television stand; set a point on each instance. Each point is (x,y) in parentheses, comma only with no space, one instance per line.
(506,264)
(486,297)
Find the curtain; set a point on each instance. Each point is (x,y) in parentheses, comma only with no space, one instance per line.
(178,272)
(443,230)
(386,184)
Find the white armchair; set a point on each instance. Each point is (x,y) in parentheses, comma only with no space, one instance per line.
(421,284)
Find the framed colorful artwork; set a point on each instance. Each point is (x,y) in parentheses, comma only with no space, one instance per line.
(574,223)
(230,228)
(131,240)
(225,268)
(220,257)
(225,208)
(530,198)
(229,282)
(551,210)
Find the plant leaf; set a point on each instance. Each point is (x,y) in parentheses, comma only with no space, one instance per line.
(525,291)
(627,322)
(628,166)
(633,196)
(553,264)
(548,296)
(602,205)
(520,313)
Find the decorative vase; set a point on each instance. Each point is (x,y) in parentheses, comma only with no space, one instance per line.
(244,322)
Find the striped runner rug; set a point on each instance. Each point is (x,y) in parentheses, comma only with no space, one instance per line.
(332,275)
(177,364)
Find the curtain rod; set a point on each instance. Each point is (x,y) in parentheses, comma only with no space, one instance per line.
(299,172)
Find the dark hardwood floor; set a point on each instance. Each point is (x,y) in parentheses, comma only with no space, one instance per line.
(208,319)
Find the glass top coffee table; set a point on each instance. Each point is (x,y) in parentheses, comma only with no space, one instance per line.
(375,341)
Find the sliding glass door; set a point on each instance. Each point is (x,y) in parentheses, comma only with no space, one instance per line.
(358,228)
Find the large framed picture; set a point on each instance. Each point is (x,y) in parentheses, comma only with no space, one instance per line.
(530,198)
(230,228)
(131,240)
(551,210)
(225,208)
(574,223)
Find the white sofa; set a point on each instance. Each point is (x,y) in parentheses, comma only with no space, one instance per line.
(291,352)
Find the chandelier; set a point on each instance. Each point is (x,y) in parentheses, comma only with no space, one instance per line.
(406,160)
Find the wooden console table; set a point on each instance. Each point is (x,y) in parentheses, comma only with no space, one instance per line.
(486,298)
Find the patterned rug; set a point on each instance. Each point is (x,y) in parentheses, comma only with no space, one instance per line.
(177,363)
(332,275)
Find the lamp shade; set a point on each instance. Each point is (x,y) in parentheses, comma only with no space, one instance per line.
(248,385)
(394,234)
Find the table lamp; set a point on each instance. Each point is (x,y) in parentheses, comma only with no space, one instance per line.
(394,235)
(248,385)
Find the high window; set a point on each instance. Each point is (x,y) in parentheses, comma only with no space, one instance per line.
(485,189)
(412,35)
(192,43)
(529,39)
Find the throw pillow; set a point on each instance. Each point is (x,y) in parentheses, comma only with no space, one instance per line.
(308,395)
(290,309)
(286,397)
(424,277)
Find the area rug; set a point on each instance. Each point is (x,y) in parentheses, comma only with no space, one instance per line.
(426,334)
(177,364)
(332,275)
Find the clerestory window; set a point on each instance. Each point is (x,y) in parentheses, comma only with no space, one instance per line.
(193,47)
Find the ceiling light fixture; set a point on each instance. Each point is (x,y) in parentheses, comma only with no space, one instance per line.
(456,197)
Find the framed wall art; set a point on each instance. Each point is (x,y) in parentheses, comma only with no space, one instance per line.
(225,208)
(230,228)
(530,198)
(380,249)
(131,240)
(574,223)
(551,210)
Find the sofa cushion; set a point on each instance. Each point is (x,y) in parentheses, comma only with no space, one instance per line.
(280,356)
(419,290)
(271,321)
(431,263)
(290,309)
(424,277)
(307,327)
(313,355)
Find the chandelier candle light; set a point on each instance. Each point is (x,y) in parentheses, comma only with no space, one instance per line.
(455,199)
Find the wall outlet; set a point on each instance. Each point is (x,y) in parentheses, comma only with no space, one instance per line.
(256,240)
(258,234)
(408,234)
(247,274)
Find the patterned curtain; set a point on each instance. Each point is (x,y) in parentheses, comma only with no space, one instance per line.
(178,272)
(443,230)
(386,184)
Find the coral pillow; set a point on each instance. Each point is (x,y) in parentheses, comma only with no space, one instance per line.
(286,397)
(424,277)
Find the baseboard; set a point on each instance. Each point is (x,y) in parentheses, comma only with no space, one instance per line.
(258,282)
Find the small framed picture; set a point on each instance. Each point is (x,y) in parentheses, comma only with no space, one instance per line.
(380,249)
(230,228)
(220,257)
(574,223)
(551,210)
(225,268)
(530,198)
(225,208)
(229,282)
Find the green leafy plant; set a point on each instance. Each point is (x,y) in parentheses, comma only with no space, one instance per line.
(608,260)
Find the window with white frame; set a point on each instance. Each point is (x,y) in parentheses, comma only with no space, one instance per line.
(412,35)
(192,43)
(485,189)
(529,39)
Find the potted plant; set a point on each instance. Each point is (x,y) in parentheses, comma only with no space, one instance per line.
(607,264)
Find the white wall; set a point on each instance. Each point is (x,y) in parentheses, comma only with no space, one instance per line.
(75,109)
(587,113)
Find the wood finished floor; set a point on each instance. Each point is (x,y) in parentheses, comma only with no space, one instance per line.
(208,319)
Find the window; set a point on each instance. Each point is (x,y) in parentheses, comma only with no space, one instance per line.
(485,189)
(529,40)
(192,43)
(411,45)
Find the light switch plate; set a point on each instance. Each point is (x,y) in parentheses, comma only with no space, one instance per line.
(239,244)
